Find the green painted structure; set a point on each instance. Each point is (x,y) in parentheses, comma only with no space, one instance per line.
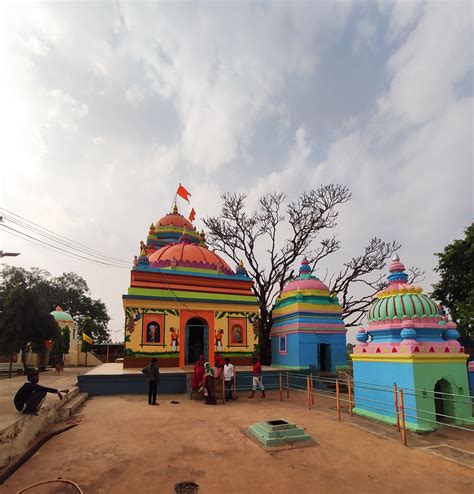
(278,433)
(410,343)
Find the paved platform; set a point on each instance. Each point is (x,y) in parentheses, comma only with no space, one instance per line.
(115,369)
(16,429)
(113,379)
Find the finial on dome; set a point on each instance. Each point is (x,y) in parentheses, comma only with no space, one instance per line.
(175,209)
(305,268)
(58,309)
(397,271)
(241,269)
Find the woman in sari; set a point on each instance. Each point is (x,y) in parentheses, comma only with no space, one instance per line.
(209,384)
(198,373)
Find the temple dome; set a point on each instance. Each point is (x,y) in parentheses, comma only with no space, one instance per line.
(174,219)
(305,281)
(187,254)
(61,316)
(400,299)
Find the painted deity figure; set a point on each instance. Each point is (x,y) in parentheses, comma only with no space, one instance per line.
(237,334)
(153,333)
(174,333)
(142,248)
(218,335)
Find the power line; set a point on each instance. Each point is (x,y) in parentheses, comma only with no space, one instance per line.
(51,235)
(65,244)
(42,243)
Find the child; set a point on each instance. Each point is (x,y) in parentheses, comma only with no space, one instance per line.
(257,378)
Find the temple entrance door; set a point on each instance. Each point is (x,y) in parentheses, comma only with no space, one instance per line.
(324,357)
(197,340)
(443,403)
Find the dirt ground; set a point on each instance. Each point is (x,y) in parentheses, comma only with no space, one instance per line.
(123,445)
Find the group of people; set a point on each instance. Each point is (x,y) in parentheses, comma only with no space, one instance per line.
(31,395)
(205,378)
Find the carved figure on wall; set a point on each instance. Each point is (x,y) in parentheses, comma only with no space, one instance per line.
(174,339)
(218,335)
(129,325)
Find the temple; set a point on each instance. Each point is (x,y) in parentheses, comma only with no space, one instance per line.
(185,300)
(307,325)
(408,343)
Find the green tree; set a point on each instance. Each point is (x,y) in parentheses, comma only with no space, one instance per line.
(455,289)
(61,343)
(26,321)
(71,292)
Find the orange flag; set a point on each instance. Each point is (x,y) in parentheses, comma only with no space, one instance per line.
(192,215)
(182,192)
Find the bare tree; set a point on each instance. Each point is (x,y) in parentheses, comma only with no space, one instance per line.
(239,234)
(270,261)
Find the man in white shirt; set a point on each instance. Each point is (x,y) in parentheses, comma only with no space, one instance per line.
(228,379)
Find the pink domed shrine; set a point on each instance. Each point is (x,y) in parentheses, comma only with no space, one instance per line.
(184,300)
(168,230)
(307,325)
(410,343)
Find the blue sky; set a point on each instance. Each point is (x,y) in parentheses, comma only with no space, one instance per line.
(108,106)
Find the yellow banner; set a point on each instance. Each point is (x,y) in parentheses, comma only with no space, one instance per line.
(86,338)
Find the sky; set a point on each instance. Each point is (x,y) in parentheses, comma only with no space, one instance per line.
(107,106)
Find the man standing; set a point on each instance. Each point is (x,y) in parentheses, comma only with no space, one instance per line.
(257,378)
(31,395)
(153,373)
(228,378)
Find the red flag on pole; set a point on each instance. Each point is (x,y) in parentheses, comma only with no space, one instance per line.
(182,192)
(192,215)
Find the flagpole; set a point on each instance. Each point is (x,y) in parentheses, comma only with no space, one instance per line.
(175,196)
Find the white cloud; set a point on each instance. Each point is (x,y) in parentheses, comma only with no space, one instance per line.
(99,125)
(365,35)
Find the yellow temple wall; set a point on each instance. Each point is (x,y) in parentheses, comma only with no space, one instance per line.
(171,314)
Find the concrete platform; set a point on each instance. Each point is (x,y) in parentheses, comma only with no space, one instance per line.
(18,430)
(111,379)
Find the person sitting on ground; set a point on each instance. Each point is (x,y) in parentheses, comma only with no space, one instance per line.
(257,378)
(228,379)
(30,396)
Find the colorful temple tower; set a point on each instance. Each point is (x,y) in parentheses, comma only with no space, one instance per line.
(307,325)
(408,343)
(185,300)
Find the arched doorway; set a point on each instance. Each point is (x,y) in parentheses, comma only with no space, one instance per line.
(197,339)
(443,403)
